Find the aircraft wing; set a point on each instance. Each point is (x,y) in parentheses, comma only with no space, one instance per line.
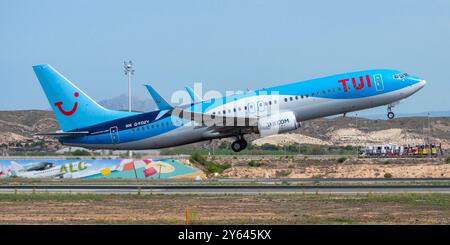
(15,166)
(215,121)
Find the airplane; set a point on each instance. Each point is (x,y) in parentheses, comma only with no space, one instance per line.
(34,166)
(267,111)
(20,171)
(47,170)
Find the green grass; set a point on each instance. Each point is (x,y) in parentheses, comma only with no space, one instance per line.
(26,197)
(436,199)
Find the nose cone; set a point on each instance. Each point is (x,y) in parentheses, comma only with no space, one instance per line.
(422,83)
(418,84)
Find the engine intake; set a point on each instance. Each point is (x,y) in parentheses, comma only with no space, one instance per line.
(277,124)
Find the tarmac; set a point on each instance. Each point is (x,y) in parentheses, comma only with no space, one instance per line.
(227,189)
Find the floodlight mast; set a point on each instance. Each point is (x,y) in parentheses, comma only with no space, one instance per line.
(129,71)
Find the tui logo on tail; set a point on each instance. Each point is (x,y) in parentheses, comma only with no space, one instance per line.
(70,112)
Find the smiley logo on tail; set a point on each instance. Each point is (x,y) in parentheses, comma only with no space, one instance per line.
(72,111)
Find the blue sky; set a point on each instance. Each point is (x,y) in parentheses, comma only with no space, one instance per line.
(227,45)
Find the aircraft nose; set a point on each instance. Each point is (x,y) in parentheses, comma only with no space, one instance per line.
(422,83)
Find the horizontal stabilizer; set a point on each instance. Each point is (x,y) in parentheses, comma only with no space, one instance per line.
(195,98)
(64,134)
(159,101)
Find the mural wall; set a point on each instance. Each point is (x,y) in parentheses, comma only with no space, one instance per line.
(98,168)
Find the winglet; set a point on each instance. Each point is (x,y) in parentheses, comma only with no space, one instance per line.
(159,101)
(195,98)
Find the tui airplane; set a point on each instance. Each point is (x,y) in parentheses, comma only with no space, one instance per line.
(267,111)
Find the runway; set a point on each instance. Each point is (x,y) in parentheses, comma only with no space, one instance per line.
(225,189)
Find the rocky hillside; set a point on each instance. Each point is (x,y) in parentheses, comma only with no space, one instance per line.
(20,125)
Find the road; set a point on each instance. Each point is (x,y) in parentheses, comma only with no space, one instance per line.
(225,189)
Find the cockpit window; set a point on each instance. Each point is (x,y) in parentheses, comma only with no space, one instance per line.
(401,75)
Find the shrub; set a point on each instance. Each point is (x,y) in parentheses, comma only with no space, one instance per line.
(212,167)
(341,159)
(209,166)
(448,160)
(387,162)
(268,146)
(283,173)
(81,153)
(388,175)
(197,158)
(254,163)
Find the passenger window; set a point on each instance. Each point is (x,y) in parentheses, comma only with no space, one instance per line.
(285,99)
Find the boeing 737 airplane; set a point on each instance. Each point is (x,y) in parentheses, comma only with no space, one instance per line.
(266,111)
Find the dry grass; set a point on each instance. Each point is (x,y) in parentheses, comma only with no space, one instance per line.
(230,209)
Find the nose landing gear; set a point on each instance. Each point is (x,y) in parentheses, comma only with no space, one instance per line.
(390,114)
(239,145)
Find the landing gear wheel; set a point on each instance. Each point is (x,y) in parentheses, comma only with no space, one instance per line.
(390,115)
(238,145)
(243,143)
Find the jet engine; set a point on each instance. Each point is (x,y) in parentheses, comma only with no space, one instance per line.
(277,124)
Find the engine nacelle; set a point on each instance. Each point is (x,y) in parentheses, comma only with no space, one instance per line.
(277,124)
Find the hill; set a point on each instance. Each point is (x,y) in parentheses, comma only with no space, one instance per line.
(21,125)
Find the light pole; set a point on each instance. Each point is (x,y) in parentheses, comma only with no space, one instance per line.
(356,141)
(129,71)
(429,137)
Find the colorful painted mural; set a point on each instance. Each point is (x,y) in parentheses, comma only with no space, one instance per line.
(98,169)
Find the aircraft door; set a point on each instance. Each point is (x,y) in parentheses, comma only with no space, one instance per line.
(378,82)
(114,132)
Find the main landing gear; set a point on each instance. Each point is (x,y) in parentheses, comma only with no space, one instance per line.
(239,145)
(390,114)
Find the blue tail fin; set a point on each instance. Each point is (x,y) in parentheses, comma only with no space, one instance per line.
(72,107)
